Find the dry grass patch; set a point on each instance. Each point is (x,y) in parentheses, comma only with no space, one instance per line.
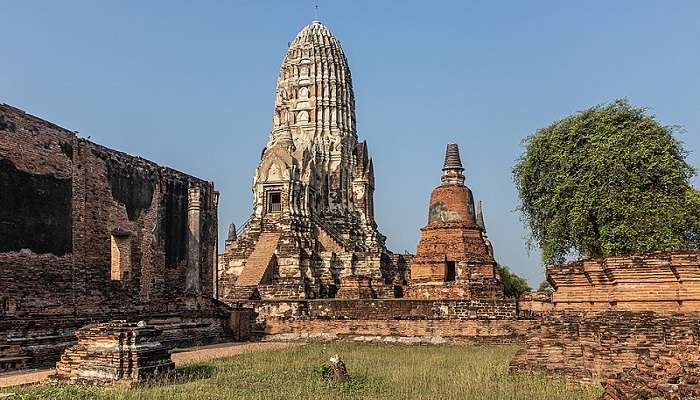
(376,372)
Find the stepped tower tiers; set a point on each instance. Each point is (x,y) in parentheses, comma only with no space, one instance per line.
(312,231)
(454,258)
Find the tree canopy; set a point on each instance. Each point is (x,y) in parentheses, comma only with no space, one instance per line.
(609,180)
(513,285)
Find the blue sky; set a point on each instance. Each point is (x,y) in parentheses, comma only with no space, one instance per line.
(191,85)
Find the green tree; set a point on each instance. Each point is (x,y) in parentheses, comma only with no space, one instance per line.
(513,285)
(609,180)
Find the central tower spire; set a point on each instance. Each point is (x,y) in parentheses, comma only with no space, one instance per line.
(314,94)
(312,231)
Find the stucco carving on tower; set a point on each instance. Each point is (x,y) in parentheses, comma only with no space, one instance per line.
(314,186)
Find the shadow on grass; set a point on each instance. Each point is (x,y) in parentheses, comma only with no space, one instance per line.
(355,384)
(187,373)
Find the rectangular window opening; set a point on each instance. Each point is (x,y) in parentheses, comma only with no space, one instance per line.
(274,201)
(450,272)
(121,258)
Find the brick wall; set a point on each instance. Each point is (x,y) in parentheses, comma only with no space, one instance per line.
(388,309)
(401,331)
(62,201)
(432,321)
(590,345)
(534,304)
(646,282)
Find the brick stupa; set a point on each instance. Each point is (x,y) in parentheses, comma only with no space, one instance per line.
(454,258)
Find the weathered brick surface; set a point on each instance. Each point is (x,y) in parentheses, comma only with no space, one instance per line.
(283,289)
(401,331)
(67,198)
(588,345)
(430,321)
(355,287)
(387,309)
(454,258)
(114,352)
(674,375)
(534,304)
(646,282)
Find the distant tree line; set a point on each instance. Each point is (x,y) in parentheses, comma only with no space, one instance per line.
(513,285)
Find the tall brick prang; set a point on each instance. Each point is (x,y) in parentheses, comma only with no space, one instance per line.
(313,190)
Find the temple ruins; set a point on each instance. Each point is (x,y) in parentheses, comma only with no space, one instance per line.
(312,232)
(90,234)
(108,261)
(454,257)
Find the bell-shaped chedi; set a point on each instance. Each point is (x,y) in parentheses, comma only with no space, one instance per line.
(454,258)
(312,227)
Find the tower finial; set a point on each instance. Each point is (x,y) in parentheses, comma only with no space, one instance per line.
(316,17)
(452,159)
(452,168)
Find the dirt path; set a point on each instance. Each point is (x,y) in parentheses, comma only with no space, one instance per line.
(186,356)
(224,350)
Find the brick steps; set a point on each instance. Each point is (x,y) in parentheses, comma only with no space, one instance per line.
(329,238)
(257,264)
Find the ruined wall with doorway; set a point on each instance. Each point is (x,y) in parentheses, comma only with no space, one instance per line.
(90,232)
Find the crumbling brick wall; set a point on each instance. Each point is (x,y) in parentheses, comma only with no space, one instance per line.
(665,282)
(389,309)
(432,321)
(64,202)
(674,375)
(592,345)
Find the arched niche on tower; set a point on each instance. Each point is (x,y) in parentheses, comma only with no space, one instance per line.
(302,117)
(276,166)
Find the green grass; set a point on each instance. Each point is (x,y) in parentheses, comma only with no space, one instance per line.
(376,372)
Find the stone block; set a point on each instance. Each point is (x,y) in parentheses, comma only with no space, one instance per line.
(116,352)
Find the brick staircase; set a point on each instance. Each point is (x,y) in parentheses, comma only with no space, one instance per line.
(257,264)
(329,237)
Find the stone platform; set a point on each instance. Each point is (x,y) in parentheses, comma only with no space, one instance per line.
(116,352)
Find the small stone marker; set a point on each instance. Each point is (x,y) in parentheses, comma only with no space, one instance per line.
(338,371)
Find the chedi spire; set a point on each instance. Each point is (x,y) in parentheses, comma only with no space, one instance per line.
(452,170)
